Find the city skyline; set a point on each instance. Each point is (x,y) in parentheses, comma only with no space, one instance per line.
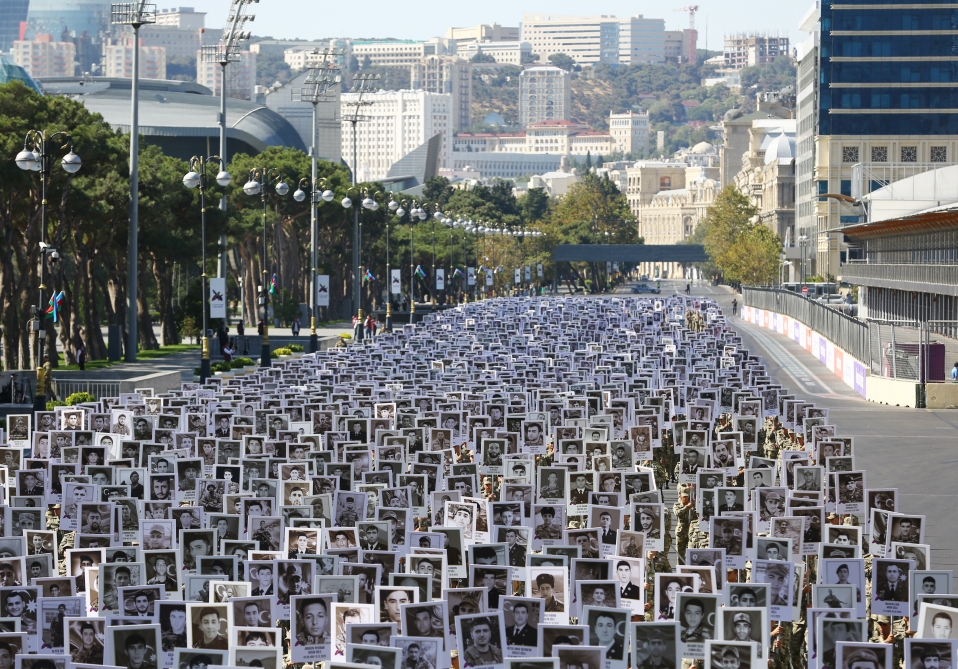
(421,20)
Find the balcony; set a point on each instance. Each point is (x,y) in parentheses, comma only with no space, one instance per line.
(942,279)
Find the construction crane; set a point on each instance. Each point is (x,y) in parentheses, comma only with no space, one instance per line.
(691,9)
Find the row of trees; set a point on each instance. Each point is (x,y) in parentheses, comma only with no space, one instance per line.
(88,216)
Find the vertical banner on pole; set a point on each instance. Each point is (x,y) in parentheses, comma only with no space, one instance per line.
(322,290)
(615,267)
(440,279)
(395,281)
(218,297)
(488,278)
(539,270)
(608,267)
(528,274)
(471,276)
(518,278)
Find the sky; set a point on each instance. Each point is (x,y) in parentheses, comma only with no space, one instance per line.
(421,19)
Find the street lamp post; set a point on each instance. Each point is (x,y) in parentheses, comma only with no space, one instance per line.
(258,184)
(315,195)
(196,177)
(803,242)
(393,207)
(35,157)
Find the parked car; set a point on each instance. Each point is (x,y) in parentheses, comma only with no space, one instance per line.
(645,289)
(645,277)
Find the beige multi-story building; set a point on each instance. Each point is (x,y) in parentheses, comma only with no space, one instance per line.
(240,76)
(560,138)
(180,31)
(545,94)
(447,74)
(42,57)
(767,176)
(482,33)
(596,39)
(747,49)
(679,44)
(398,53)
(630,131)
(396,123)
(505,53)
(118,60)
(737,126)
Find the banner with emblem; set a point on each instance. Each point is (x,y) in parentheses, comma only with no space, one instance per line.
(322,290)
(218,297)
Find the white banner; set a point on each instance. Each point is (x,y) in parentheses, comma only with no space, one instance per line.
(395,282)
(322,290)
(608,267)
(218,298)
(528,273)
(518,278)
(471,276)
(440,279)
(539,270)
(488,278)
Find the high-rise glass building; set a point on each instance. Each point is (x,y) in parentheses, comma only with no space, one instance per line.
(76,17)
(877,101)
(12,14)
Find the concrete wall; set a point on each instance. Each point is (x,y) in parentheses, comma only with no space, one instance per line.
(941,395)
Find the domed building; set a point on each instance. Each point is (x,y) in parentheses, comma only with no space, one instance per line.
(702,154)
(767,176)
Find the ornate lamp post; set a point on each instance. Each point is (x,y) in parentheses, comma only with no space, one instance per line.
(318,192)
(258,184)
(37,157)
(196,177)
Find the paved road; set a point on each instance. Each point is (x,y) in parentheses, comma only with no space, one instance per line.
(914,450)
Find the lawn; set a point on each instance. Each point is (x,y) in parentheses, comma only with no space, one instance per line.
(140,355)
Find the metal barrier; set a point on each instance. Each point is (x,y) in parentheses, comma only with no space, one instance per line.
(849,334)
(63,388)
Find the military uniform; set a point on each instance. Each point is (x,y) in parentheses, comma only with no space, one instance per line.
(655,565)
(684,517)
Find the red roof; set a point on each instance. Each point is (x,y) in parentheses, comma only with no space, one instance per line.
(691,103)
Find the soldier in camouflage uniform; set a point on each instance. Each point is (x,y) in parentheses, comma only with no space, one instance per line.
(684,512)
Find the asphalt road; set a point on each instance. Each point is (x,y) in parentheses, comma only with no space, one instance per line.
(910,449)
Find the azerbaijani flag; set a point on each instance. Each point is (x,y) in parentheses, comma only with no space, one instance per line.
(54,306)
(482,269)
(419,272)
(458,272)
(369,276)
(499,270)
(272,285)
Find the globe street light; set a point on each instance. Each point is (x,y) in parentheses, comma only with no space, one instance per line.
(258,184)
(36,157)
(318,192)
(197,178)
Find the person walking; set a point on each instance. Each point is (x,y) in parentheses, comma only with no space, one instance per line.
(954,373)
(688,289)
(734,307)
(296,327)
(81,357)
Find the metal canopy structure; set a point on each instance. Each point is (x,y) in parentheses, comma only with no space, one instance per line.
(631,253)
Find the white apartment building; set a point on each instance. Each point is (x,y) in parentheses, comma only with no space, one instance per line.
(397,122)
(240,76)
(447,74)
(285,101)
(182,18)
(505,53)
(398,53)
(484,33)
(596,39)
(118,60)
(746,50)
(42,57)
(630,131)
(545,94)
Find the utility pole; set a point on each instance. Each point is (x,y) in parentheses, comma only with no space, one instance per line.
(134,14)
(224,53)
(360,86)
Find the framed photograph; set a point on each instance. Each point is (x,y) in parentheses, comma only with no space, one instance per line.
(386,657)
(310,626)
(391,599)
(890,586)
(573,657)
(726,654)
(937,622)
(746,625)
(928,583)
(481,639)
(420,652)
(700,621)
(609,628)
(343,614)
(133,646)
(655,644)
(922,653)
(552,585)
(523,616)
(862,655)
(780,578)
(190,658)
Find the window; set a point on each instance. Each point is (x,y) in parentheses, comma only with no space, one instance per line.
(849,154)
(665,183)
(939,154)
(846,187)
(909,154)
(879,154)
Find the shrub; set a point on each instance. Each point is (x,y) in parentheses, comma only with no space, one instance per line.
(220,366)
(55,403)
(282,351)
(80,398)
(245,362)
(296,348)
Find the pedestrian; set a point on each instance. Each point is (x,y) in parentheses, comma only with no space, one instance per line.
(954,373)
(223,336)
(228,352)
(296,327)
(260,327)
(688,289)
(241,328)
(735,308)
(370,325)
(81,357)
